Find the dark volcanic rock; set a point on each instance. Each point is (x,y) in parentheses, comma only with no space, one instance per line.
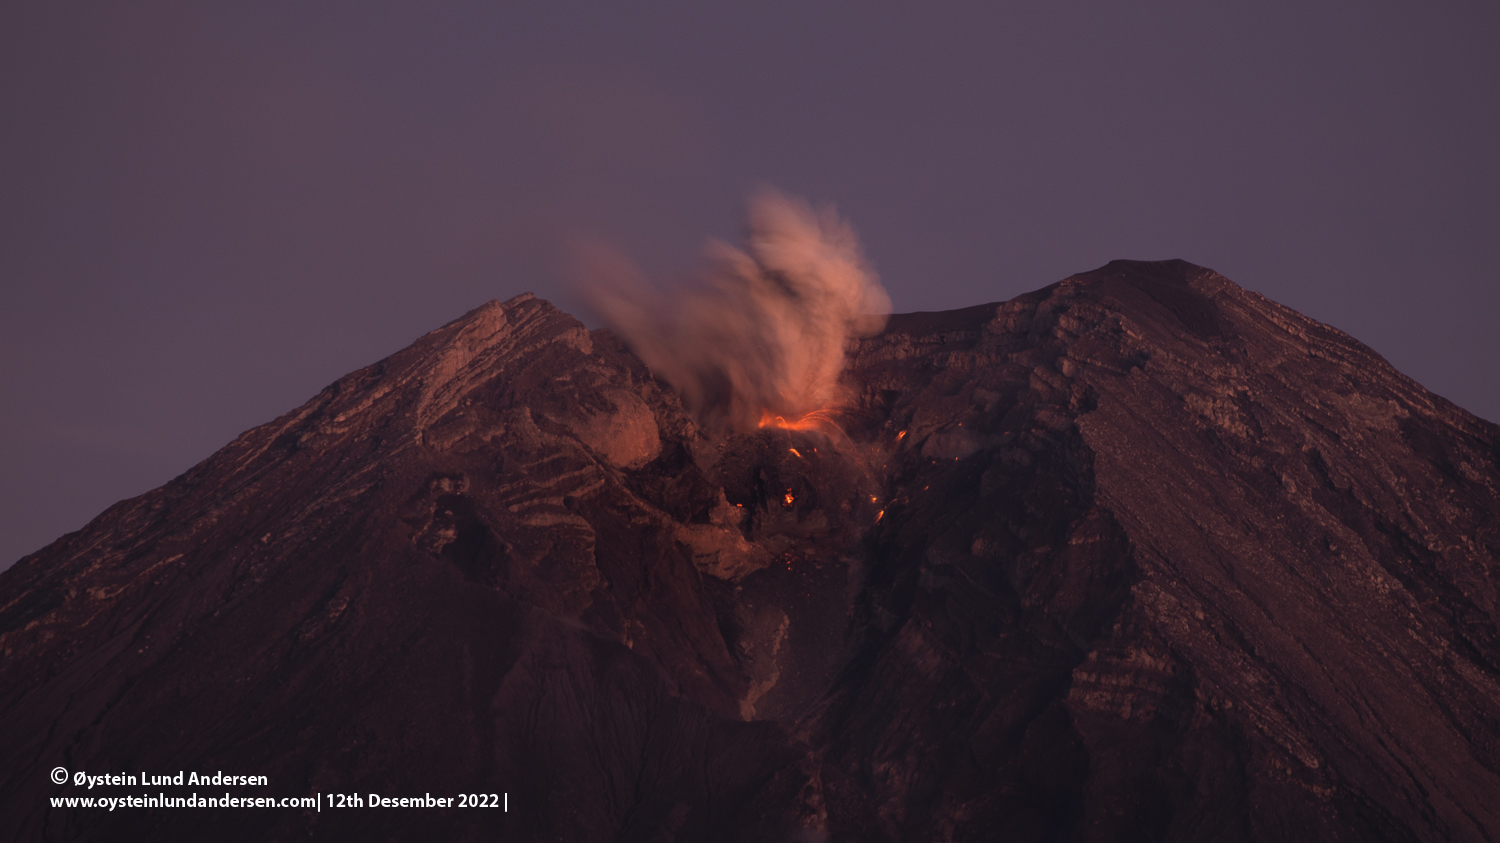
(1141,555)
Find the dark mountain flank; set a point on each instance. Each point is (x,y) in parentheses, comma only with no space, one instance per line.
(1138,556)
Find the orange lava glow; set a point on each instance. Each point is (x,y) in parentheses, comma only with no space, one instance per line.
(879,515)
(819,420)
(788,499)
(900,436)
(798,453)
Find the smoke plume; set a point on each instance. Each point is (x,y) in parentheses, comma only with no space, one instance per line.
(760,336)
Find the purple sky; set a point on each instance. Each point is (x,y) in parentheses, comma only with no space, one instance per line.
(210,211)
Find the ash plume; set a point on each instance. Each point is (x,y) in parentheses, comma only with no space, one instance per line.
(761,333)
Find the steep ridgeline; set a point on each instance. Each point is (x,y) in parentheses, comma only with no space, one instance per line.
(1141,555)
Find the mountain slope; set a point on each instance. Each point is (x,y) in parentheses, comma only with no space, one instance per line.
(1139,555)
(1200,568)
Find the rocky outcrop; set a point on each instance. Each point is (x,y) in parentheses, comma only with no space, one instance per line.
(1141,555)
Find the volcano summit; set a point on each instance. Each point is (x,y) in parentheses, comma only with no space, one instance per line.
(1138,556)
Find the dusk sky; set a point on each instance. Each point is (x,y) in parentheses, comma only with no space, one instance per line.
(211,211)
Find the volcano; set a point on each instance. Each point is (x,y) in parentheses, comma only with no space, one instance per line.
(1138,556)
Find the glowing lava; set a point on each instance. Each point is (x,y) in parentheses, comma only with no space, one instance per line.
(821,421)
(788,499)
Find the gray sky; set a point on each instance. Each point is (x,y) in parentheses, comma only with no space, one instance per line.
(210,211)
